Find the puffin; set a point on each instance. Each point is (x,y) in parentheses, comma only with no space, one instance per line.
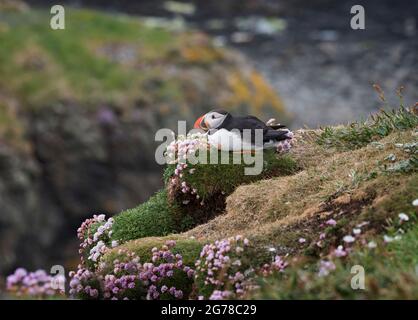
(225,131)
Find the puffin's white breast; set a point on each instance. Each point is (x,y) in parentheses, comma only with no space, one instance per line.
(226,140)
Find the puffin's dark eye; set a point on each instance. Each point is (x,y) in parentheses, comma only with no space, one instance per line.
(213,117)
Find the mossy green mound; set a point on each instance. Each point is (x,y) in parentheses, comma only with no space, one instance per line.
(189,248)
(152,218)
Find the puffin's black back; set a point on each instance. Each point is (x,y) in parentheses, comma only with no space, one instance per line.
(252,123)
(241,123)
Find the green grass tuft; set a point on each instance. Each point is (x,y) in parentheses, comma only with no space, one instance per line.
(152,218)
(211,179)
(359,134)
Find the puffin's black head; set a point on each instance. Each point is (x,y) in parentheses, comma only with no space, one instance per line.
(215,118)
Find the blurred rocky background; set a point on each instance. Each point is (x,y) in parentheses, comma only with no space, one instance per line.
(322,69)
(79,108)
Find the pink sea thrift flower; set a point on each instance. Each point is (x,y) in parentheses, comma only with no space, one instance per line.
(36,284)
(340,252)
(325,267)
(331,222)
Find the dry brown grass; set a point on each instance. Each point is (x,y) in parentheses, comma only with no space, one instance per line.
(327,183)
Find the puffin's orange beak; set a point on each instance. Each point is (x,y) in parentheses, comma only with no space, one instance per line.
(200,123)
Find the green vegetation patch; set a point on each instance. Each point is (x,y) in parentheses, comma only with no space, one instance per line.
(390,273)
(95,59)
(188,248)
(152,218)
(359,134)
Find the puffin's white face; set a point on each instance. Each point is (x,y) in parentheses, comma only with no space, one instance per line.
(213,119)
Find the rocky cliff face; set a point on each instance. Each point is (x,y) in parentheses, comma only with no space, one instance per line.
(78,114)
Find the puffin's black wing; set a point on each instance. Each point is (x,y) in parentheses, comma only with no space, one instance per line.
(269,132)
(253,123)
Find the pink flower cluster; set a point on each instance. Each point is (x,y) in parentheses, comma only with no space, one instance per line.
(84,283)
(178,152)
(36,284)
(342,250)
(325,267)
(285,145)
(221,295)
(131,279)
(220,267)
(94,245)
(278,265)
